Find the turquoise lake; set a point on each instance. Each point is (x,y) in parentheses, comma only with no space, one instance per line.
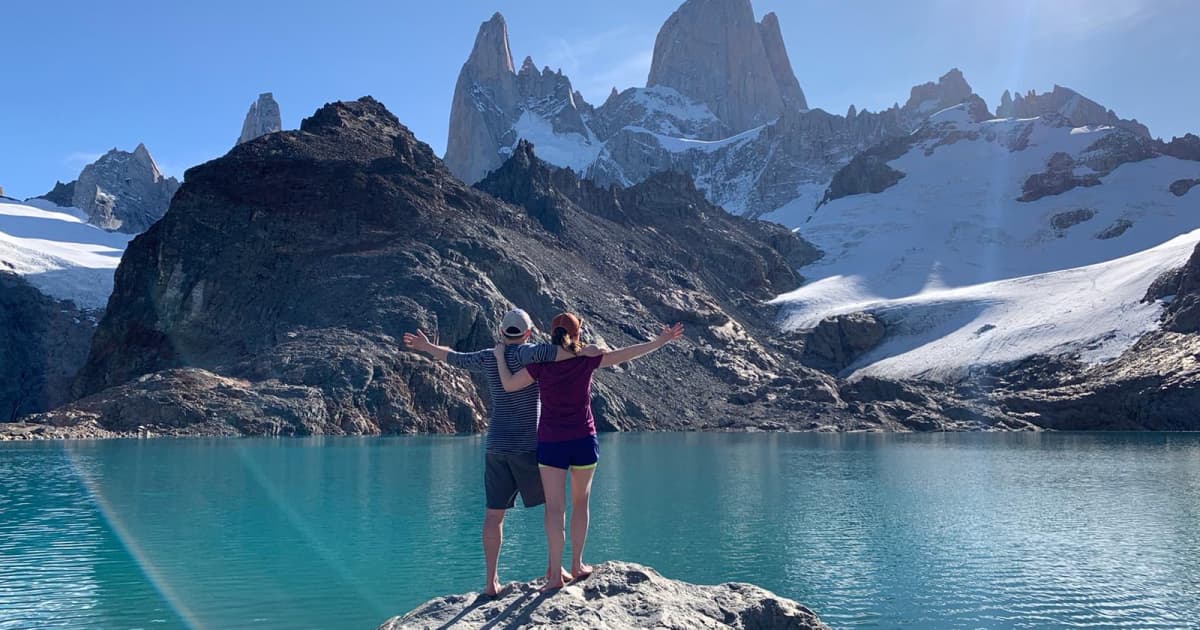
(871,531)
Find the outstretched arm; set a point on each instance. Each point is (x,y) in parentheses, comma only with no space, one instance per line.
(668,334)
(512,382)
(421,343)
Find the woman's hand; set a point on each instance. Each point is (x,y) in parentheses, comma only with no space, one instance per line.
(669,334)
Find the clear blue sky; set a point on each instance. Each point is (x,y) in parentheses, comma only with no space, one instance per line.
(80,78)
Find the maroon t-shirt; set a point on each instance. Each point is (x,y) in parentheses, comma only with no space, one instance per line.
(566,391)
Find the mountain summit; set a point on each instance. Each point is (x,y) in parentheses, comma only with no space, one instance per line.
(262,119)
(713,52)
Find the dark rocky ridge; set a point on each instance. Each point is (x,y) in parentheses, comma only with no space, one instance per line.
(43,341)
(61,194)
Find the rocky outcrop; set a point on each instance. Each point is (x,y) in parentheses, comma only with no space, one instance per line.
(262,119)
(951,89)
(868,172)
(1070,106)
(1152,386)
(713,52)
(43,343)
(1182,314)
(121,191)
(1059,177)
(1062,221)
(837,341)
(1186,147)
(62,195)
(617,595)
(1180,187)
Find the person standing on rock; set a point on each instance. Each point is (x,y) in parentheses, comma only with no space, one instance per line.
(567,432)
(510,462)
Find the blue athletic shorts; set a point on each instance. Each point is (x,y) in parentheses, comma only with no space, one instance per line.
(573,454)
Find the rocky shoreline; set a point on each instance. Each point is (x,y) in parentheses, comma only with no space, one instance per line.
(617,595)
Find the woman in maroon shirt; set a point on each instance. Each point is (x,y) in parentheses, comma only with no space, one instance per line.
(567,432)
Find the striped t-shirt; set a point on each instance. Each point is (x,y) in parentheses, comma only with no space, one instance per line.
(514,423)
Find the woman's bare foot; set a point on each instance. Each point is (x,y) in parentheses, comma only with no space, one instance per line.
(552,586)
(581,571)
(564,575)
(492,590)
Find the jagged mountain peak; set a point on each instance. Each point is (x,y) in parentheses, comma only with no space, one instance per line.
(951,89)
(528,66)
(262,118)
(121,191)
(491,55)
(781,65)
(715,53)
(1067,105)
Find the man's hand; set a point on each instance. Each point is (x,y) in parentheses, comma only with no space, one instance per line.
(499,352)
(591,350)
(669,334)
(418,341)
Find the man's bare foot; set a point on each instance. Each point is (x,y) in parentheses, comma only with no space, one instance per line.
(492,589)
(580,572)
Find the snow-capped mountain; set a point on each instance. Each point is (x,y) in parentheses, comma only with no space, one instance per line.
(982,240)
(750,144)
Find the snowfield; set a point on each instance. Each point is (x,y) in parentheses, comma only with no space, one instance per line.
(58,252)
(964,274)
(568,150)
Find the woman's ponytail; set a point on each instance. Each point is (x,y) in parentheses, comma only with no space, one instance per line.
(562,339)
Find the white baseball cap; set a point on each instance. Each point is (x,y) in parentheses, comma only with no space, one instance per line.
(516,323)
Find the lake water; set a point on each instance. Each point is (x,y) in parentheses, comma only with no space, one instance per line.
(871,531)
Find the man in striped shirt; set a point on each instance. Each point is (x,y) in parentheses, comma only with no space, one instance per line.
(510,464)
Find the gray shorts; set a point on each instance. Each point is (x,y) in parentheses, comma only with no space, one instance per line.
(506,474)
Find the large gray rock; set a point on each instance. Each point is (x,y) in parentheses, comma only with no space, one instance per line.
(837,341)
(618,595)
(262,119)
(123,191)
(713,52)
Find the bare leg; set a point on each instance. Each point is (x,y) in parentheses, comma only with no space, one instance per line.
(493,537)
(554,483)
(581,495)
